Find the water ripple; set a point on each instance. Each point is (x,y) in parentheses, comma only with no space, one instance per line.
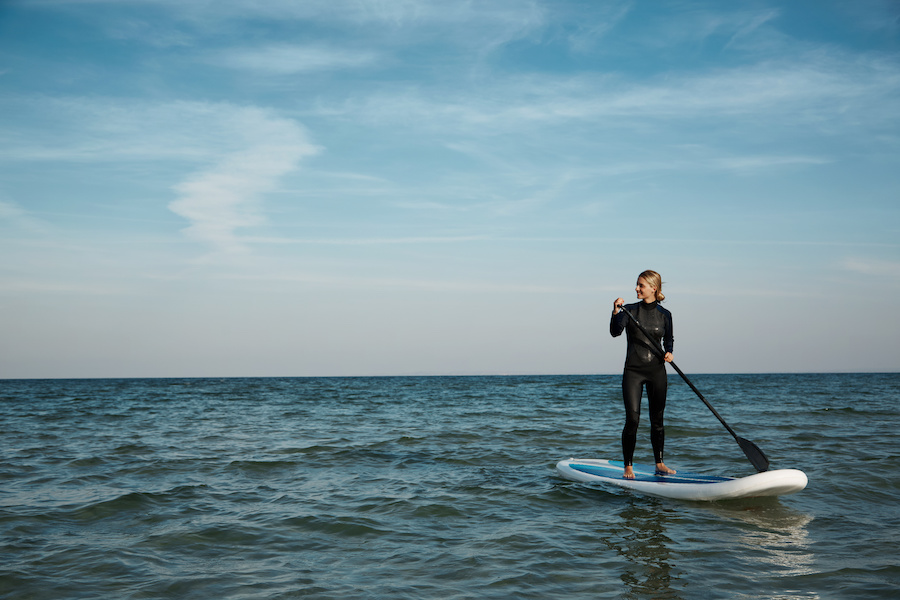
(439,487)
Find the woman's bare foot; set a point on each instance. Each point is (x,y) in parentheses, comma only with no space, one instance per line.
(629,472)
(662,469)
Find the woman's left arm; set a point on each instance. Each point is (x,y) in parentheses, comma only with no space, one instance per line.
(668,338)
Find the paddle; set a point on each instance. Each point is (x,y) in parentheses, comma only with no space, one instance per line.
(754,454)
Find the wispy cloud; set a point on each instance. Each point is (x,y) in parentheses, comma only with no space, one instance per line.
(225,197)
(820,89)
(288,59)
(104,129)
(417,284)
(60,287)
(238,153)
(588,33)
(754,163)
(19,218)
(754,22)
(461,239)
(483,24)
(885,270)
(10,211)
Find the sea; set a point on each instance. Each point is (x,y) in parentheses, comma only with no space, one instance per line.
(438,488)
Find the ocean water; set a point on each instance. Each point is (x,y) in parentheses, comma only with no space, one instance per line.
(437,487)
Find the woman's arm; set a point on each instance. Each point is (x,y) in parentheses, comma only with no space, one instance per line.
(668,338)
(617,320)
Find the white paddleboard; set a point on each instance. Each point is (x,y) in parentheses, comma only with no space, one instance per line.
(684,486)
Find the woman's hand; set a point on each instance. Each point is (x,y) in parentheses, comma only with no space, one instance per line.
(668,357)
(617,305)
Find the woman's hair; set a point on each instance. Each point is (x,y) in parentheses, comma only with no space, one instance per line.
(655,280)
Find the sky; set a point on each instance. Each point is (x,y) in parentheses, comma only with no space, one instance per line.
(198,188)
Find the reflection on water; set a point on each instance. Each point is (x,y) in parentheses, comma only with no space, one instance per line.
(643,542)
(776,538)
(779,535)
(655,540)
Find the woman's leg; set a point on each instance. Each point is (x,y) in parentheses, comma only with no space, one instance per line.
(657,386)
(632,388)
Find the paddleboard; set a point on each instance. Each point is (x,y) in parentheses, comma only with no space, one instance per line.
(683,486)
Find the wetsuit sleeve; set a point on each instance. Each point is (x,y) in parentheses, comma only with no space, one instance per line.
(668,336)
(617,324)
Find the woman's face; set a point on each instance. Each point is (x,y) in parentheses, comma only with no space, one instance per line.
(645,291)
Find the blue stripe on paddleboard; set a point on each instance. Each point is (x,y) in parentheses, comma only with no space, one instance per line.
(614,471)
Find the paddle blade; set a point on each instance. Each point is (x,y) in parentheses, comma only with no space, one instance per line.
(757,457)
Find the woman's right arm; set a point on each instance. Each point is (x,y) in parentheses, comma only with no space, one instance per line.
(617,321)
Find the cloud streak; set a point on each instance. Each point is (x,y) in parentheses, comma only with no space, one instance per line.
(104,129)
(19,218)
(290,59)
(822,89)
(239,153)
(884,270)
(223,198)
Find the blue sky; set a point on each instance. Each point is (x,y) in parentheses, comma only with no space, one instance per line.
(368,187)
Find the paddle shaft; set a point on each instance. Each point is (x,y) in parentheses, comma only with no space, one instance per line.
(705,401)
(756,456)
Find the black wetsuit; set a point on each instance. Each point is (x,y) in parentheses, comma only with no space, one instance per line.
(644,367)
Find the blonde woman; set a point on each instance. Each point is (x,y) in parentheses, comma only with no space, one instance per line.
(643,366)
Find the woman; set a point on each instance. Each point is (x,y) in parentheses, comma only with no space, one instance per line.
(643,366)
